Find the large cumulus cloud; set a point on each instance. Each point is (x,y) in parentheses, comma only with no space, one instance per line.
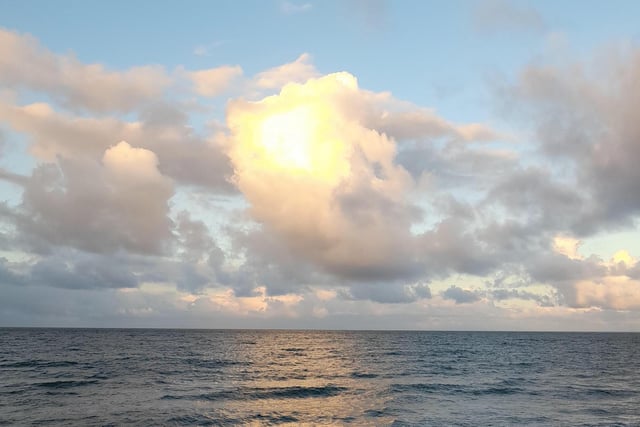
(319,178)
(120,202)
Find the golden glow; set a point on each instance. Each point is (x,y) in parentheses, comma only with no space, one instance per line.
(624,257)
(567,246)
(297,133)
(300,156)
(298,141)
(286,138)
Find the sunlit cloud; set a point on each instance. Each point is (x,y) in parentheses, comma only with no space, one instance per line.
(77,85)
(314,175)
(214,81)
(278,191)
(298,71)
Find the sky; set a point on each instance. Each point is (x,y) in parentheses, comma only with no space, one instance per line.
(458,165)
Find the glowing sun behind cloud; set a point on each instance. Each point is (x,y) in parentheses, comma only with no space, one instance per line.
(293,133)
(316,175)
(286,138)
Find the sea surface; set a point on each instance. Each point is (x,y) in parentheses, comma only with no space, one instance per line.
(155,377)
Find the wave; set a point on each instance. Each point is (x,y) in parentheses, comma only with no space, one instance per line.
(439,388)
(39,364)
(295,392)
(65,384)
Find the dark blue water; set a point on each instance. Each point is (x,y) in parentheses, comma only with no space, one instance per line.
(200,377)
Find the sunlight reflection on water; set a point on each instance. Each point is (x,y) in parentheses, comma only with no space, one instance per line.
(179,377)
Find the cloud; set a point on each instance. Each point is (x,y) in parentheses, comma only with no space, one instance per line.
(582,120)
(523,295)
(119,203)
(290,8)
(535,195)
(26,64)
(298,71)
(87,271)
(322,166)
(320,180)
(214,81)
(338,200)
(373,14)
(55,134)
(205,49)
(407,122)
(13,177)
(389,293)
(567,246)
(460,296)
(617,289)
(163,129)
(618,293)
(491,16)
(270,262)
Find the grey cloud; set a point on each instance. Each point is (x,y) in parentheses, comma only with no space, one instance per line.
(533,196)
(504,294)
(586,126)
(54,134)
(388,293)
(410,124)
(405,121)
(70,269)
(460,296)
(456,165)
(197,243)
(12,177)
(10,275)
(634,271)
(269,262)
(553,268)
(182,154)
(86,272)
(96,208)
(450,247)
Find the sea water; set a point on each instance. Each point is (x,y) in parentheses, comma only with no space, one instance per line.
(228,377)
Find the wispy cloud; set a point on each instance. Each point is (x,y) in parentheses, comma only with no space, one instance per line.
(491,16)
(373,15)
(289,8)
(205,49)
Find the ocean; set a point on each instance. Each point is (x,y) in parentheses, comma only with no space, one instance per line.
(151,377)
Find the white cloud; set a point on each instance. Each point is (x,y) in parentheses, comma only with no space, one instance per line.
(613,292)
(319,179)
(298,71)
(214,81)
(290,8)
(183,155)
(567,246)
(119,203)
(24,63)
(205,49)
